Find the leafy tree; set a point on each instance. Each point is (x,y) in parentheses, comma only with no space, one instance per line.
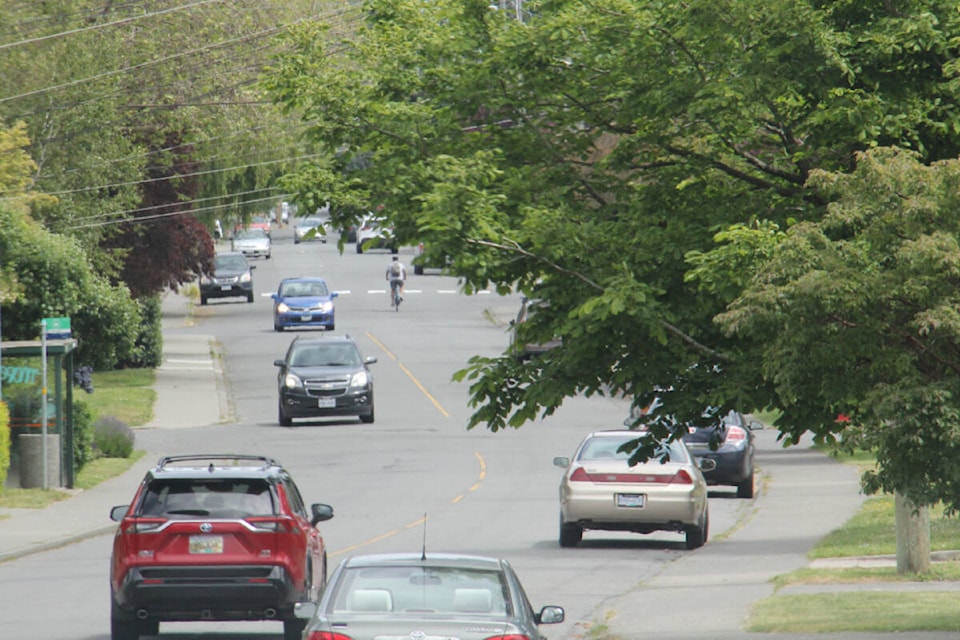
(592,156)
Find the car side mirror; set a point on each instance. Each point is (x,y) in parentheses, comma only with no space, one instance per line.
(561,461)
(304,610)
(321,513)
(117,513)
(755,425)
(279,362)
(334,294)
(369,360)
(252,267)
(550,615)
(275,296)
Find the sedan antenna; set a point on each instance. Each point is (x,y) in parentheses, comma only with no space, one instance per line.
(423,553)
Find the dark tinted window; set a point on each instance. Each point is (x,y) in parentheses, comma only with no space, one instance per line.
(229,263)
(228,498)
(325,355)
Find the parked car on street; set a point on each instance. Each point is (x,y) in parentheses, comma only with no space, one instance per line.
(215,537)
(727,440)
(372,233)
(232,277)
(527,349)
(602,491)
(323,377)
(303,302)
(307,229)
(252,242)
(425,596)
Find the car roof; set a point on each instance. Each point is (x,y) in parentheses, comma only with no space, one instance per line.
(466,561)
(303,279)
(216,465)
(323,339)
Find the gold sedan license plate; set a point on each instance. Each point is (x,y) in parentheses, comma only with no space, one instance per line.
(631,500)
(206,544)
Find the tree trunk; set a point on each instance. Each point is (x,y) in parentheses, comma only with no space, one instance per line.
(913,536)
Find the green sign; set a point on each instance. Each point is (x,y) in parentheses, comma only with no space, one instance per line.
(56,327)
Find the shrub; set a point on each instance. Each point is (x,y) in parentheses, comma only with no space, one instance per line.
(112,437)
(4,443)
(82,435)
(148,353)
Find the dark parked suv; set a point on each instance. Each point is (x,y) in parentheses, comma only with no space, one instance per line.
(215,537)
(232,277)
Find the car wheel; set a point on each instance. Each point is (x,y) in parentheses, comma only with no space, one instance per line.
(277,327)
(203,300)
(367,418)
(123,627)
(745,488)
(296,241)
(359,247)
(697,537)
(293,628)
(284,421)
(394,250)
(570,534)
(268,256)
(250,297)
(418,269)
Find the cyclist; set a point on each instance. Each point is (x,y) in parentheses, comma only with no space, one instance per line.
(396,275)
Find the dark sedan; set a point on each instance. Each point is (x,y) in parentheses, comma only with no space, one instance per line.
(322,377)
(429,596)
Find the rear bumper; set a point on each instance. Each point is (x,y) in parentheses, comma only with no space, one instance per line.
(207,593)
(733,466)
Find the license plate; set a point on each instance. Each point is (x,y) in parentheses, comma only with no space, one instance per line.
(306,318)
(631,500)
(327,403)
(206,544)
(225,287)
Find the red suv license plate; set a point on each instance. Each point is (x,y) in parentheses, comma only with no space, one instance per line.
(206,544)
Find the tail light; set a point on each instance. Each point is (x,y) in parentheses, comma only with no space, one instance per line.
(736,434)
(273,525)
(510,636)
(327,635)
(143,525)
(680,477)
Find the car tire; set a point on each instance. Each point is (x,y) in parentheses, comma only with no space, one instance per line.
(268,256)
(394,250)
(570,534)
(203,300)
(331,327)
(418,269)
(293,628)
(285,421)
(367,418)
(746,488)
(697,537)
(124,627)
(359,247)
(277,327)
(296,241)
(250,297)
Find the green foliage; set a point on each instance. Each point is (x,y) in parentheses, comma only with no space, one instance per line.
(83,435)
(112,438)
(58,281)
(149,345)
(4,443)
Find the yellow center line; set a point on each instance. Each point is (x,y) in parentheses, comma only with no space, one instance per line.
(410,375)
(419,521)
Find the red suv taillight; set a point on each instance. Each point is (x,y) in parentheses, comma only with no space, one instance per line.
(142,525)
(276,525)
(327,635)
(512,636)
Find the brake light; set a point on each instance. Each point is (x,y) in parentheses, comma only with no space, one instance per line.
(511,636)
(327,635)
(272,525)
(736,434)
(680,477)
(143,525)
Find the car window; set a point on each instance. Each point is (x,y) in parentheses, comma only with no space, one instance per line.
(220,498)
(229,263)
(606,448)
(422,589)
(293,496)
(252,232)
(322,355)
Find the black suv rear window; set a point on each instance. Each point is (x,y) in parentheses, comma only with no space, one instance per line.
(221,498)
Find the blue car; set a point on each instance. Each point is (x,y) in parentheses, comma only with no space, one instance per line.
(303,302)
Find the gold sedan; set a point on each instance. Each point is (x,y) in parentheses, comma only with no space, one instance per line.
(601,491)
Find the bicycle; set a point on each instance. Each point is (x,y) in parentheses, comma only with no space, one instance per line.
(395,298)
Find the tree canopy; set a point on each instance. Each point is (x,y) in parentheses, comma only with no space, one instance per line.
(638,165)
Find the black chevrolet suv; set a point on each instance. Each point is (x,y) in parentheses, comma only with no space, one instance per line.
(215,537)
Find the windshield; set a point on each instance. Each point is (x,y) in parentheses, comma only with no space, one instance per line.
(247,234)
(303,289)
(607,448)
(325,355)
(229,263)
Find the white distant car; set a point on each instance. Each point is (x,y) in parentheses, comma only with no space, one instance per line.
(601,491)
(304,226)
(252,242)
(372,234)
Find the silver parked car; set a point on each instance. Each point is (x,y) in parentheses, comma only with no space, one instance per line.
(602,491)
(252,242)
(429,595)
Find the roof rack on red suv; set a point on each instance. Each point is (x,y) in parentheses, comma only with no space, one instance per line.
(215,537)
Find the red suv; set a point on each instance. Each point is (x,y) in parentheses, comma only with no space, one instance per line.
(215,537)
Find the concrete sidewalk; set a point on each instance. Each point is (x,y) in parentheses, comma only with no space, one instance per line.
(801,498)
